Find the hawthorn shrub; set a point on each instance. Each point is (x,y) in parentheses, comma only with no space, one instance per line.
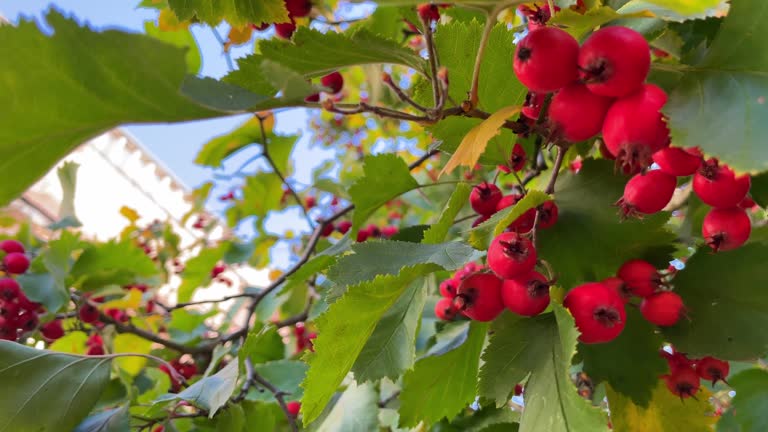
(540,217)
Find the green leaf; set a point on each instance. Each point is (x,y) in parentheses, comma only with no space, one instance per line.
(665,413)
(51,391)
(486,417)
(111,263)
(231,420)
(481,235)
(442,385)
(751,400)
(71,343)
(67,174)
(197,271)
(285,375)
(222,96)
(356,410)
(114,420)
(391,349)
(261,345)
(211,393)
(131,344)
(343,331)
(219,148)
(261,194)
(759,189)
(579,24)
(182,38)
(637,345)
(729,75)
(459,198)
(115,78)
(678,10)
(385,177)
(43,288)
(236,12)
(598,241)
(373,258)
(720,285)
(260,416)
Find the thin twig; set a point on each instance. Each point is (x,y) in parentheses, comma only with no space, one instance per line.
(401,94)
(383,403)
(200,302)
(555,170)
(227,56)
(380,111)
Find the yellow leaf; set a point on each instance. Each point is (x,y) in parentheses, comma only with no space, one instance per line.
(72,343)
(168,21)
(130,214)
(132,300)
(474,143)
(665,413)
(238,36)
(274,274)
(289,234)
(130,343)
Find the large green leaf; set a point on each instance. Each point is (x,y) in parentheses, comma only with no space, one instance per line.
(750,405)
(236,12)
(590,241)
(442,385)
(51,391)
(356,410)
(111,263)
(182,38)
(459,198)
(725,284)
(391,349)
(719,104)
(678,10)
(112,77)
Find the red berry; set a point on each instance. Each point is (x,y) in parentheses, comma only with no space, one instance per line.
(363,234)
(619,286)
(546,59)
(479,297)
(298,8)
(88,314)
(343,226)
(522,224)
(52,330)
(428,12)
(160,428)
(313,98)
(634,128)
(285,30)
(677,361)
(576,114)
(27,321)
(484,198)
(327,229)
(389,231)
(548,213)
(647,193)
(187,370)
(518,158)
(218,269)
(448,287)
(677,161)
(8,329)
(333,81)
(26,304)
(717,185)
(663,309)
(598,311)
(9,289)
(641,277)
(537,16)
(445,309)
(518,389)
(95,350)
(94,340)
(614,61)
(466,271)
(511,255)
(9,309)
(11,246)
(528,295)
(310,201)
(16,263)
(293,408)
(726,229)
(532,105)
(712,369)
(683,383)
(508,201)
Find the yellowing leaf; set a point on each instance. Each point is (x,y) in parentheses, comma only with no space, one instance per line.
(289,235)
(665,413)
(473,144)
(132,300)
(238,36)
(72,343)
(274,274)
(130,214)
(579,24)
(129,343)
(168,21)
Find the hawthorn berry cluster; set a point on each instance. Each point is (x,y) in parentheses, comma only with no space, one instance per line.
(685,374)
(486,199)
(18,314)
(187,369)
(296,9)
(303,338)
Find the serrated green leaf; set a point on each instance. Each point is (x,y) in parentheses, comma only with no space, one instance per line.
(197,271)
(678,10)
(211,393)
(224,97)
(751,401)
(437,232)
(386,176)
(111,263)
(590,241)
(114,420)
(67,174)
(441,385)
(236,12)
(720,285)
(637,345)
(99,71)
(219,148)
(481,235)
(52,391)
(356,410)
(182,38)
(480,421)
(730,75)
(261,345)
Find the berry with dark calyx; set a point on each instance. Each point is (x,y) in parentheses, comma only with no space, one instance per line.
(634,128)
(328,229)
(518,158)
(448,287)
(16,263)
(526,296)
(298,8)
(9,289)
(9,309)
(27,321)
(712,369)
(428,12)
(647,193)
(511,255)
(333,81)
(285,30)
(726,229)
(683,383)
(576,114)
(95,350)
(88,313)
(94,340)
(484,198)
(479,297)
(537,15)
(52,330)
(676,361)
(546,59)
(293,408)
(614,61)
(11,246)
(548,213)
(313,98)
(717,185)
(663,309)
(532,105)
(598,312)
(678,161)
(445,309)
(343,226)
(8,330)
(218,269)
(641,277)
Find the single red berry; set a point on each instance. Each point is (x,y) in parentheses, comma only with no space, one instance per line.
(52,330)
(511,255)
(27,321)
(663,308)
(94,340)
(374,230)
(518,389)
(448,287)
(614,61)
(683,383)
(9,289)
(445,309)
(717,185)
(479,297)
(747,203)
(480,219)
(508,201)
(310,202)
(598,311)
(641,277)
(726,229)
(160,428)
(518,158)
(548,213)
(428,12)
(537,15)
(327,229)
(676,361)
(619,286)
(333,81)
(647,193)
(576,114)
(285,30)
(8,329)
(634,128)
(218,269)
(9,309)
(546,59)
(532,105)
(343,226)
(187,370)
(484,198)
(12,246)
(88,314)
(293,408)
(389,231)
(526,296)
(95,350)
(298,8)
(16,263)
(678,161)
(363,234)
(712,369)
(313,98)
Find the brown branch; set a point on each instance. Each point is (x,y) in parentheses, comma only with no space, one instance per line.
(130,328)
(432,52)
(555,170)
(387,78)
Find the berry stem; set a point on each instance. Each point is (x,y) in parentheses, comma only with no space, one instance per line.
(555,170)
(432,52)
(474,98)
(404,97)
